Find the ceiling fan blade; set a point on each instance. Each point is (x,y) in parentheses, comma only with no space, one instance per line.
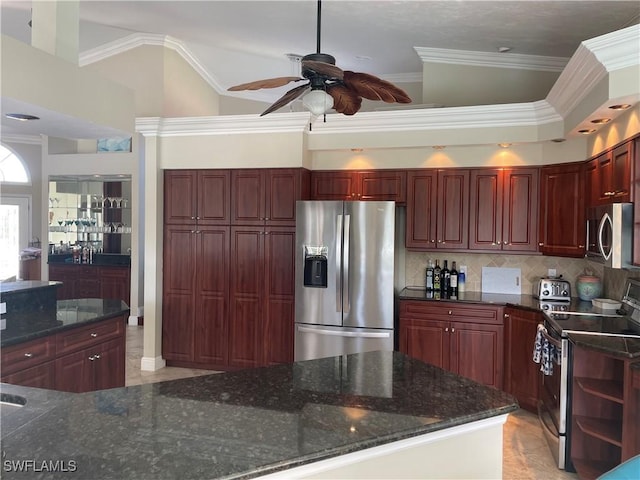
(267,83)
(322,68)
(345,100)
(288,97)
(373,88)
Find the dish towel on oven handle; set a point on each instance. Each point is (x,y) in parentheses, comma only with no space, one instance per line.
(544,352)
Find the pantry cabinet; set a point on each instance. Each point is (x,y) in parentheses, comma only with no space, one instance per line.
(522,375)
(201,196)
(465,339)
(359,185)
(438,209)
(504,209)
(229,289)
(562,228)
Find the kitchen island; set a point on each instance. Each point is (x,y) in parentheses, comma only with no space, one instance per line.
(375,414)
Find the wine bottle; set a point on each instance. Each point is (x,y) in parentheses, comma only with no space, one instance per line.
(453,279)
(437,277)
(445,279)
(429,277)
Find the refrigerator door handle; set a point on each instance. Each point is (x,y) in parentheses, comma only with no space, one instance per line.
(339,333)
(338,264)
(346,300)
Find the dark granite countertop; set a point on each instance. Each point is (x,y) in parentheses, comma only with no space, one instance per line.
(69,314)
(99,260)
(619,346)
(24,285)
(246,423)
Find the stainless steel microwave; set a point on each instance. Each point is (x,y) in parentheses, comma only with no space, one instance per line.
(610,234)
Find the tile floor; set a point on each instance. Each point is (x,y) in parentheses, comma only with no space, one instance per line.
(526,454)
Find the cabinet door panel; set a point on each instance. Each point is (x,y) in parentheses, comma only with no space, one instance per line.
(115,283)
(425,340)
(74,373)
(41,376)
(280,262)
(562,211)
(179,196)
(382,185)
(421,209)
(477,352)
(247,197)
(520,223)
(282,191)
(214,197)
(592,183)
(108,364)
(453,209)
(212,296)
(485,221)
(245,335)
(621,158)
(278,330)
(333,185)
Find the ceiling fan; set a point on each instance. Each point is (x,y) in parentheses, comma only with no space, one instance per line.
(329,86)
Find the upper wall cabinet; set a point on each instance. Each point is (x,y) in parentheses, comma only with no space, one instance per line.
(608,176)
(437,209)
(197,196)
(504,209)
(359,185)
(562,227)
(267,196)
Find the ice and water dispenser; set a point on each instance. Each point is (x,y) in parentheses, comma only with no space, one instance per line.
(315,266)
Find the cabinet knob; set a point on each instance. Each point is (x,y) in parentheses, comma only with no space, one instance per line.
(446,329)
(198,231)
(580,246)
(94,335)
(28,354)
(453,330)
(197,218)
(433,241)
(92,358)
(449,312)
(506,315)
(193,218)
(541,244)
(266,218)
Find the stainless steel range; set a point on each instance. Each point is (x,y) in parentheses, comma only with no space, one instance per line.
(554,408)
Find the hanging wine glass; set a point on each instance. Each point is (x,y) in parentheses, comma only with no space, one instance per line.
(110,199)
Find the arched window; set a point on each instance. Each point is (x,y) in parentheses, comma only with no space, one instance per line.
(12,169)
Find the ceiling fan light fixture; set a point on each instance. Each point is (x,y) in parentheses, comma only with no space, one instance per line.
(318,102)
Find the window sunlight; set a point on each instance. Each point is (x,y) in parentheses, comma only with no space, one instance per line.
(12,170)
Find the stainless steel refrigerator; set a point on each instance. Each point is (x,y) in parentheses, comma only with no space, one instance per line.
(344,278)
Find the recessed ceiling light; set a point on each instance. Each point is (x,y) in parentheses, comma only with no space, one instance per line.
(504,145)
(21,117)
(558,140)
(438,147)
(504,49)
(587,131)
(621,106)
(356,150)
(600,121)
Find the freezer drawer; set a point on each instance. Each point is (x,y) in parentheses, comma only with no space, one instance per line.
(314,341)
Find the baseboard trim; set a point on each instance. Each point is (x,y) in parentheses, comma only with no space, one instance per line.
(133,320)
(151,364)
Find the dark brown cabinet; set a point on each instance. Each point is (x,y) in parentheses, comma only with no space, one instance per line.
(201,196)
(268,196)
(504,209)
(359,185)
(635,190)
(562,229)
(229,290)
(92,281)
(81,359)
(522,375)
(608,176)
(465,339)
(438,209)
(196,295)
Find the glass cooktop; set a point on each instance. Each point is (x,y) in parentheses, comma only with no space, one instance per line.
(599,324)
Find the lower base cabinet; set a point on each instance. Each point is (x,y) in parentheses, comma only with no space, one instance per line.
(522,375)
(82,359)
(465,339)
(605,413)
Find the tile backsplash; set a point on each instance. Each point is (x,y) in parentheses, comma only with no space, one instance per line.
(532,266)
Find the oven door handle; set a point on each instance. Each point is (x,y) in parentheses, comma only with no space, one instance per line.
(552,429)
(555,342)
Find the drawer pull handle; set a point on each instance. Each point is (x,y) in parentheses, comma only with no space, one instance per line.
(94,335)
(28,354)
(94,357)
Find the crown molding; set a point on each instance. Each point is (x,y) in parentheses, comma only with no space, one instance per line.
(491,59)
(484,116)
(223,125)
(414,77)
(617,50)
(135,40)
(19,138)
